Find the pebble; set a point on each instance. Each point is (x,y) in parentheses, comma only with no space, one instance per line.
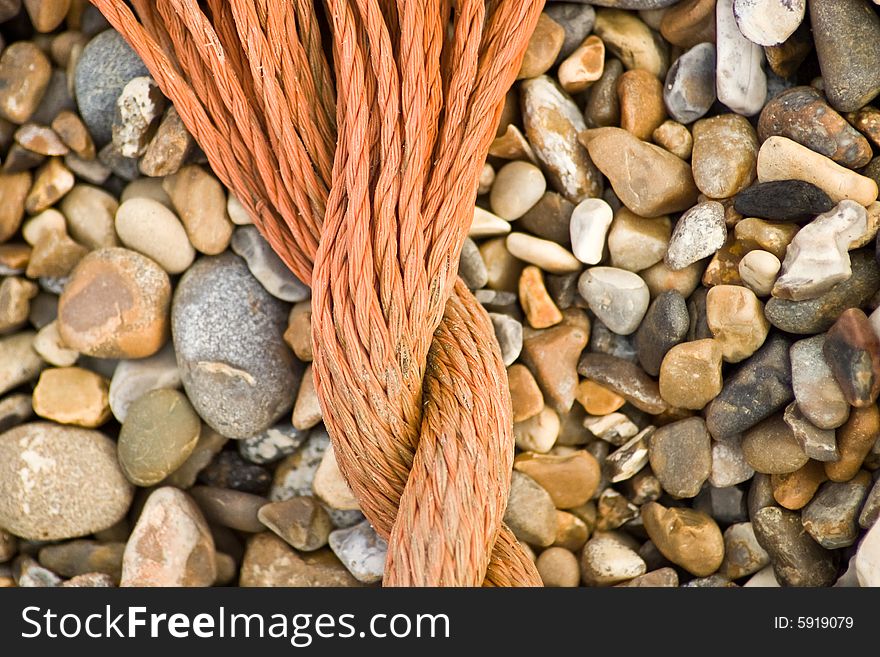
(525,396)
(796,558)
(689,91)
(19,363)
(40,139)
(868,558)
(689,22)
(138,108)
(269,561)
(266,266)
(530,513)
(725,155)
(200,202)
(298,335)
(662,577)
(636,243)
(229,508)
(170,519)
(509,334)
(675,138)
(725,505)
(577,22)
(852,350)
(781,158)
(543,47)
(831,518)
(15,296)
(14,409)
(361,550)
(690,374)
(471,268)
(699,233)
(72,395)
(159,433)
(768,22)
(550,218)
(801,114)
(743,555)
(681,456)
(794,490)
(208,446)
(760,387)
(815,315)
(272,444)
(739,78)
(625,378)
(486,224)
(134,378)
(306,408)
(631,165)
(59,482)
(229,470)
(115,305)
(29,574)
(640,95)
(74,134)
(871,508)
(843,32)
(552,123)
(854,441)
(758,270)
(300,521)
(729,465)
(770,447)
(511,145)
(536,303)
(818,444)
(558,568)
(236,369)
(686,537)
(619,298)
(570,480)
(614,428)
(90,213)
(80,557)
(597,399)
(583,67)
(14,189)
(545,254)
(538,433)
(590,221)
(606,561)
(603,341)
(330,486)
(148,227)
(24,77)
(106,65)
(603,107)
(632,41)
(52,181)
(169,148)
(736,319)
(51,348)
(764,578)
(552,355)
(664,325)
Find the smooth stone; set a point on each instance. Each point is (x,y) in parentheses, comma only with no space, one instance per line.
(19,363)
(266,266)
(681,456)
(236,369)
(583,67)
(758,270)
(868,558)
(690,374)
(558,568)
(538,433)
(15,296)
(550,219)
(209,445)
(229,508)
(771,448)
(552,123)
(14,189)
(187,557)
(91,171)
(852,350)
(486,224)
(760,387)
(631,166)
(636,243)
(570,480)
(641,103)
(540,310)
(699,325)
(361,550)
(471,268)
(589,225)
(89,212)
(686,537)
(725,505)
(29,574)
(690,84)
(781,158)
(72,395)
(169,148)
(818,256)
(299,331)
(509,334)
(40,139)
(331,487)
(115,305)
(134,378)
(597,399)
(301,521)
(844,32)
(511,144)
(729,465)
(699,233)
(518,186)
(801,114)
(148,227)
(269,561)
(794,490)
(52,181)
(625,378)
(24,77)
(664,325)
(150,188)
(613,511)
(545,254)
(815,315)
(660,578)
(768,22)
(543,47)
(605,341)
(606,561)
(818,444)
(159,433)
(530,513)
(675,138)
(200,203)
(736,318)
(525,397)
(725,155)
(51,348)
(59,482)
(577,22)
(855,440)
(689,22)
(743,555)
(764,578)
(106,65)
(632,41)
(796,558)
(619,298)
(14,410)
(79,557)
(831,518)
(603,106)
(739,78)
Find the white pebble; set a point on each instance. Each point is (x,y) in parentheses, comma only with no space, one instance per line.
(740,81)
(619,298)
(768,22)
(590,221)
(486,224)
(517,187)
(758,270)
(699,233)
(545,254)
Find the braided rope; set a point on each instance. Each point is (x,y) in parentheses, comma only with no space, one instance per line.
(364,185)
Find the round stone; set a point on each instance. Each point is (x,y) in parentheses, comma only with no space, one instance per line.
(605,561)
(558,567)
(681,456)
(619,298)
(736,319)
(148,227)
(771,447)
(59,482)
(768,22)
(518,186)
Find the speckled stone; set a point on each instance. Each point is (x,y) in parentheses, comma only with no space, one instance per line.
(681,456)
(725,155)
(606,561)
(269,561)
(687,538)
(690,84)
(690,374)
(699,233)
(729,465)
(771,448)
(236,368)
(796,558)
(852,350)
(665,324)
(831,518)
(530,512)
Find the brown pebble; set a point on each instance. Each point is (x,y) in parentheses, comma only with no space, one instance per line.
(74,134)
(52,182)
(539,308)
(867,121)
(771,447)
(689,22)
(24,76)
(597,399)
(603,109)
(525,396)
(558,567)
(854,441)
(675,138)
(72,395)
(55,254)
(852,350)
(688,538)
(690,374)
(169,147)
(641,103)
(15,256)
(301,521)
(794,490)
(299,331)
(625,378)
(15,296)
(543,47)
(571,531)
(14,189)
(584,66)
(46,15)
(570,480)
(753,233)
(269,561)
(786,58)
(40,139)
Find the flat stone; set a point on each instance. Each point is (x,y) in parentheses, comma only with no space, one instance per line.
(854,441)
(687,538)
(631,165)
(597,399)
(768,22)
(736,319)
(552,123)
(690,84)
(681,456)
(530,513)
(664,325)
(619,298)
(73,133)
(171,519)
(725,154)
(550,219)
(24,76)
(59,482)
(794,490)
(40,139)
(200,202)
(796,558)
(699,233)
(818,444)
(525,396)
(269,561)
(729,465)
(486,224)
(614,428)
(852,350)
(625,378)
(631,40)
(148,227)
(300,521)
(236,369)
(740,80)
(759,388)
(743,555)
(72,395)
(689,23)
(570,480)
(629,459)
(115,305)
(159,433)
(831,518)
(636,243)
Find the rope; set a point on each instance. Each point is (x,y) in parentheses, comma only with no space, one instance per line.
(363,182)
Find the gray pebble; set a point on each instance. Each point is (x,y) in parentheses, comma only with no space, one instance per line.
(831,516)
(361,550)
(266,266)
(530,513)
(471,267)
(796,558)
(729,465)
(272,444)
(690,84)
(664,326)
(724,505)
(818,444)
(577,19)
(681,456)
(509,334)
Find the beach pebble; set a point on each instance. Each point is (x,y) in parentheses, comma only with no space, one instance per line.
(740,80)
(606,561)
(487,224)
(689,22)
(169,148)
(52,181)
(758,270)
(619,298)
(771,448)
(24,76)
(138,107)
(266,266)
(818,444)
(229,508)
(690,84)
(640,95)
(509,334)
(471,268)
(831,518)
(854,441)
(361,550)
(543,47)
(558,567)
(148,227)
(743,555)
(269,561)
(690,374)
(725,154)
(625,378)
(583,67)
(852,350)
(51,348)
(550,218)
(736,318)
(681,456)
(796,558)
(545,254)
(90,213)
(14,189)
(540,310)
(570,480)
(631,40)
(530,513)
(699,233)
(577,22)
(552,356)
(72,395)
(590,221)
(538,433)
(665,325)
(636,243)
(330,486)
(19,363)
(300,521)
(134,378)
(768,22)
(686,537)
(200,202)
(868,558)
(729,465)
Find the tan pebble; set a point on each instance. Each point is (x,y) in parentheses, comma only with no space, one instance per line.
(584,66)
(771,447)
(570,480)
(873,227)
(606,561)
(299,330)
(518,186)
(597,399)
(24,76)
(55,255)
(539,432)
(637,45)
(723,268)
(200,203)
(758,270)
(602,109)
(14,189)
(269,561)
(46,15)
(487,178)
(661,277)
(150,188)
(51,347)
(168,149)
(736,318)
(636,243)
(502,266)
(90,215)
(770,236)
(539,308)
(641,103)
(543,47)
(688,538)
(571,531)
(72,395)
(690,374)
(558,567)
(525,396)
(854,441)
(487,224)
(237,212)
(511,145)
(547,255)
(52,182)
(794,490)
(14,256)
(74,134)
(330,486)
(675,138)
(301,521)
(306,409)
(148,227)
(40,139)
(15,296)
(689,22)
(725,154)
(65,44)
